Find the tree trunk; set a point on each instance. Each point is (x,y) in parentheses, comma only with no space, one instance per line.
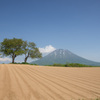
(25,59)
(13,58)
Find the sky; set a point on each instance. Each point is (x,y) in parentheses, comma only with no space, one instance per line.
(53,24)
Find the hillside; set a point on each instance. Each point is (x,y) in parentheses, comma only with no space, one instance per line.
(63,56)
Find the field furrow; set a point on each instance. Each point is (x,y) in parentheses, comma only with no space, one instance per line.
(28,82)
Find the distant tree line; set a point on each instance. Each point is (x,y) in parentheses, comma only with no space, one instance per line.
(15,47)
(71,65)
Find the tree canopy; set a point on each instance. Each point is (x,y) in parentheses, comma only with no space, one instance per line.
(31,51)
(15,47)
(12,47)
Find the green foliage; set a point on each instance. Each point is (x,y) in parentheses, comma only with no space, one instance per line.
(71,65)
(22,63)
(12,47)
(76,65)
(31,64)
(34,64)
(58,65)
(30,50)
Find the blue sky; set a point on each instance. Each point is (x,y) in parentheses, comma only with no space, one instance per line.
(65,24)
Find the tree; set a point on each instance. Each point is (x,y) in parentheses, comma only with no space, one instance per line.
(31,51)
(0,49)
(12,47)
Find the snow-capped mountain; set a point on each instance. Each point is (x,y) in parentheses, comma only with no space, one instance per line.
(62,57)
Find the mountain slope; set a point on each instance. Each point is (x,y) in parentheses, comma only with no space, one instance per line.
(63,56)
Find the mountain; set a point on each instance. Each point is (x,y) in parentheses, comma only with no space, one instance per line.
(62,57)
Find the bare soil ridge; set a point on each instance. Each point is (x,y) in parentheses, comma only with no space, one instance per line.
(27,82)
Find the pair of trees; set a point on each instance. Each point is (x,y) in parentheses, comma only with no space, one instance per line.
(15,47)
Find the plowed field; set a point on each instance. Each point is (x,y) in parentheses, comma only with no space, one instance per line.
(28,82)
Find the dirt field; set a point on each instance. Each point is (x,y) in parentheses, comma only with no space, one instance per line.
(28,82)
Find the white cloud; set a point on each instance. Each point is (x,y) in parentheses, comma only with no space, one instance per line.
(5,59)
(47,49)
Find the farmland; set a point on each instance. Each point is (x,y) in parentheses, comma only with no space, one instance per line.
(29,82)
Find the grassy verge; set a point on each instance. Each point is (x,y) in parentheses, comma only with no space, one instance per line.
(23,63)
(71,65)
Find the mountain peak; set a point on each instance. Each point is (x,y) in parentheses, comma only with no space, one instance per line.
(62,56)
(61,52)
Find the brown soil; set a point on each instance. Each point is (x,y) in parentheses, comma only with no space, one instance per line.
(28,82)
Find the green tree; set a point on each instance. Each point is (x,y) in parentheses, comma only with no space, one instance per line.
(31,51)
(0,49)
(12,47)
